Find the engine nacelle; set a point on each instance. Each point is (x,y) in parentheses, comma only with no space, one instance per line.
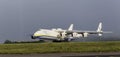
(99,34)
(85,34)
(77,35)
(64,34)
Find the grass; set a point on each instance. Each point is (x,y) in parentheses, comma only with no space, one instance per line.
(64,47)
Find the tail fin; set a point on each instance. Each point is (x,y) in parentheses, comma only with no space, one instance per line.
(99,27)
(71,27)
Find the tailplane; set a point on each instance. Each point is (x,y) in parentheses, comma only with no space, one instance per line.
(99,30)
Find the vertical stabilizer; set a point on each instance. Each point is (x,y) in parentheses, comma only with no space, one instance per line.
(99,27)
(71,27)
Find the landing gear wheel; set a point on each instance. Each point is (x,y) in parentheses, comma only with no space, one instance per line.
(57,41)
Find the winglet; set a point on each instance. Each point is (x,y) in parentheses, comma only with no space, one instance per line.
(99,27)
(71,27)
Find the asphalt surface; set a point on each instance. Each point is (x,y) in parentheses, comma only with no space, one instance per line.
(114,54)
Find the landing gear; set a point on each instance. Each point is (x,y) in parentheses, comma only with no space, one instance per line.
(57,41)
(67,39)
(61,40)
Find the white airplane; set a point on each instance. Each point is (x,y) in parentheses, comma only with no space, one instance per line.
(65,35)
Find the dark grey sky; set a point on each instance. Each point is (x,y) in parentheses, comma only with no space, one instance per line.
(19,18)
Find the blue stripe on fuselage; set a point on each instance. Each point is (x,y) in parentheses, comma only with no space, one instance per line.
(47,38)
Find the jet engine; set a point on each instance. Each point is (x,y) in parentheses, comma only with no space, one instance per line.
(77,35)
(99,34)
(64,34)
(85,34)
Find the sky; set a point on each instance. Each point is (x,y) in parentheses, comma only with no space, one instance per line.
(21,18)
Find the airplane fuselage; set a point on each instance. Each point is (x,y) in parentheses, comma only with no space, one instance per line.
(46,33)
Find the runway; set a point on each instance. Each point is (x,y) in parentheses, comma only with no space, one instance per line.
(111,54)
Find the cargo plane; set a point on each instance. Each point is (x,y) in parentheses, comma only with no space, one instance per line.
(65,35)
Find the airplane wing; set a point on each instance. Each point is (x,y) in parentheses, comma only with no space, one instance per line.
(84,33)
(89,32)
(81,32)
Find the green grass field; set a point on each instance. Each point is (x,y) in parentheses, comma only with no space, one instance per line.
(63,47)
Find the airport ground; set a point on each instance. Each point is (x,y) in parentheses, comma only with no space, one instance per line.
(111,54)
(64,49)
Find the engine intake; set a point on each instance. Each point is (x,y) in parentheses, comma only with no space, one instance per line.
(77,35)
(85,34)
